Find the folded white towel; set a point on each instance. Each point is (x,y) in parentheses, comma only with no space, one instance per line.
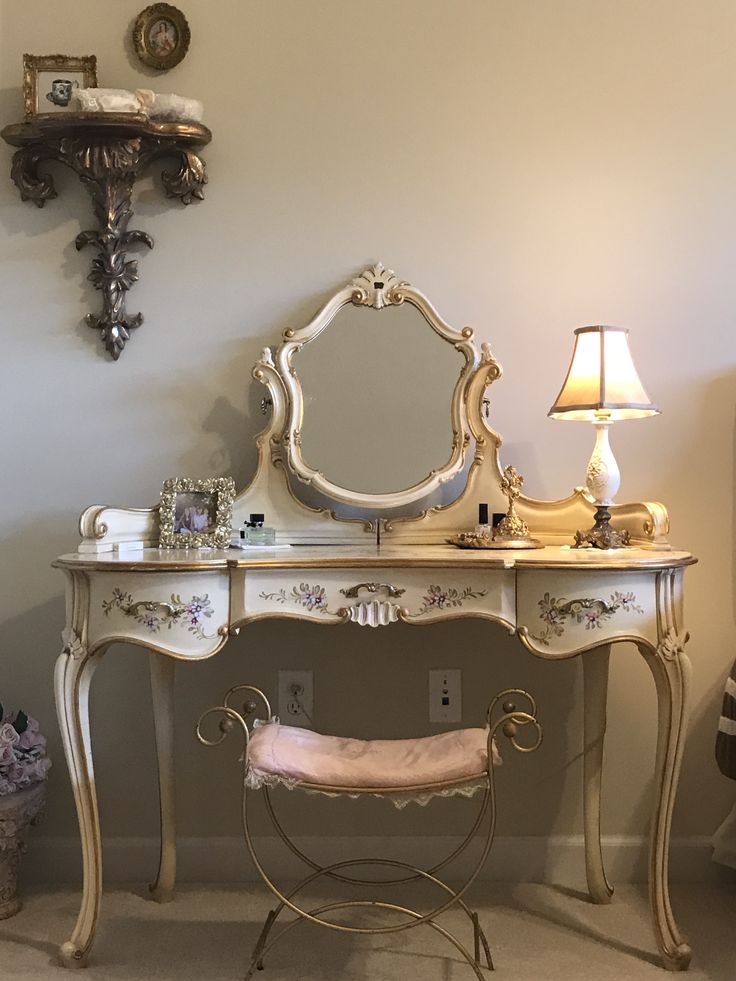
(107,100)
(155,105)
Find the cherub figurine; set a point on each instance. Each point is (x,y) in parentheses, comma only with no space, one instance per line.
(512,526)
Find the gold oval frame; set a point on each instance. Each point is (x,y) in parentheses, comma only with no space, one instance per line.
(142,35)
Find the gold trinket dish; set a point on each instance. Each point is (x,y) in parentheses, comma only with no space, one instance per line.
(469,539)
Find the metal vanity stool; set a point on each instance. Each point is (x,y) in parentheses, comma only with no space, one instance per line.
(402,770)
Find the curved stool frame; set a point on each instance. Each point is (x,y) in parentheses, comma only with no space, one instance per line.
(508,721)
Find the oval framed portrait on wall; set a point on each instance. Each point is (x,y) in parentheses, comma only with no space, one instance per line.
(161,36)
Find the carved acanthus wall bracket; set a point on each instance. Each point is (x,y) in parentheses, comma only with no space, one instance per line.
(108,153)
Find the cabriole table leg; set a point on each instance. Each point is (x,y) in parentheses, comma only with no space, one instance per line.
(670,667)
(74,670)
(595,684)
(162,691)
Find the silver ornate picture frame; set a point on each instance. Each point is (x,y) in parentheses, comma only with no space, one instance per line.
(196,513)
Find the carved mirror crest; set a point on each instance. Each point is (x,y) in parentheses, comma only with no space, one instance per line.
(376,395)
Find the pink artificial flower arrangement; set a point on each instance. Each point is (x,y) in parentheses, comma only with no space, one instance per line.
(23,759)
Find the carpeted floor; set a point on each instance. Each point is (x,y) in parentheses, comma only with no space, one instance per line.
(536,933)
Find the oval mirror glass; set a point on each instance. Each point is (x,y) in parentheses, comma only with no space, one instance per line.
(377,388)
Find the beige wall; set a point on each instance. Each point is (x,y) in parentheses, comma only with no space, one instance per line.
(533,166)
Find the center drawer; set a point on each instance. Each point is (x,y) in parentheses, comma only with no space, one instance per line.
(373,596)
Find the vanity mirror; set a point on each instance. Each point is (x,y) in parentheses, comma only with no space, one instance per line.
(377,389)
(380,383)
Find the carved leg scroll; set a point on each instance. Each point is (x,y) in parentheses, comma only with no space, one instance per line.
(33,186)
(595,684)
(162,690)
(113,273)
(74,670)
(188,181)
(670,667)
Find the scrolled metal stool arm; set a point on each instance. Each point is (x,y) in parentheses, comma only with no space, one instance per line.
(512,719)
(249,707)
(231,717)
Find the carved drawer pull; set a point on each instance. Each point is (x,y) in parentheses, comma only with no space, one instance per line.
(373,613)
(372,587)
(155,614)
(133,609)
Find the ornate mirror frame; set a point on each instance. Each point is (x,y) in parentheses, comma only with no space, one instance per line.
(378,288)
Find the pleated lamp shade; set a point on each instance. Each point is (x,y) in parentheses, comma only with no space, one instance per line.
(602,381)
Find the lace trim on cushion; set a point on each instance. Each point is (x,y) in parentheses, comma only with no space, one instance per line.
(274,720)
(256,780)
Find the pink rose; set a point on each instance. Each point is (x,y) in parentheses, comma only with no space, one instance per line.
(8,734)
(23,780)
(6,787)
(40,768)
(7,756)
(14,772)
(32,740)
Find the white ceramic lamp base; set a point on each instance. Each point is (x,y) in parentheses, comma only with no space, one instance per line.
(603,480)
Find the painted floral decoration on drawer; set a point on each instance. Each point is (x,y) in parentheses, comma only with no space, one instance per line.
(592,612)
(310,597)
(438,598)
(153,614)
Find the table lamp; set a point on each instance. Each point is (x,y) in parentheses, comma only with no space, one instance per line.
(601,387)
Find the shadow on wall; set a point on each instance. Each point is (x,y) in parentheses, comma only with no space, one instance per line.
(237,428)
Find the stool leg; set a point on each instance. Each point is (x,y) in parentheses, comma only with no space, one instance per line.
(256,958)
(313,914)
(480,938)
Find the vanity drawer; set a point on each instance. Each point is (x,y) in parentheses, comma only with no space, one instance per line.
(373,596)
(563,612)
(182,613)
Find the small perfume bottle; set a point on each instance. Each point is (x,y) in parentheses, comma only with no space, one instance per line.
(483,529)
(256,533)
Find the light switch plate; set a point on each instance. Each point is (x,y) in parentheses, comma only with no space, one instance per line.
(445,695)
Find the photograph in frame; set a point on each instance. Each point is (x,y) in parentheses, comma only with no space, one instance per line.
(50,81)
(196,513)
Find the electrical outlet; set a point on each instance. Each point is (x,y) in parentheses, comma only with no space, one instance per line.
(296,698)
(445,695)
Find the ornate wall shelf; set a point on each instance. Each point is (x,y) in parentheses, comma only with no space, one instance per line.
(108,153)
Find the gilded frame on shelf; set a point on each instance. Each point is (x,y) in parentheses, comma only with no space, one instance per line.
(196,513)
(84,67)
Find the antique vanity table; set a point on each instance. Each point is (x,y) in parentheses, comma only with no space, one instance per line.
(378,554)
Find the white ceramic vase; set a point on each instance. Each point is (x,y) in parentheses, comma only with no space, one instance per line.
(17,812)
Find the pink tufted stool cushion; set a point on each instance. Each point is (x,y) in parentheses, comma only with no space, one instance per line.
(285,754)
